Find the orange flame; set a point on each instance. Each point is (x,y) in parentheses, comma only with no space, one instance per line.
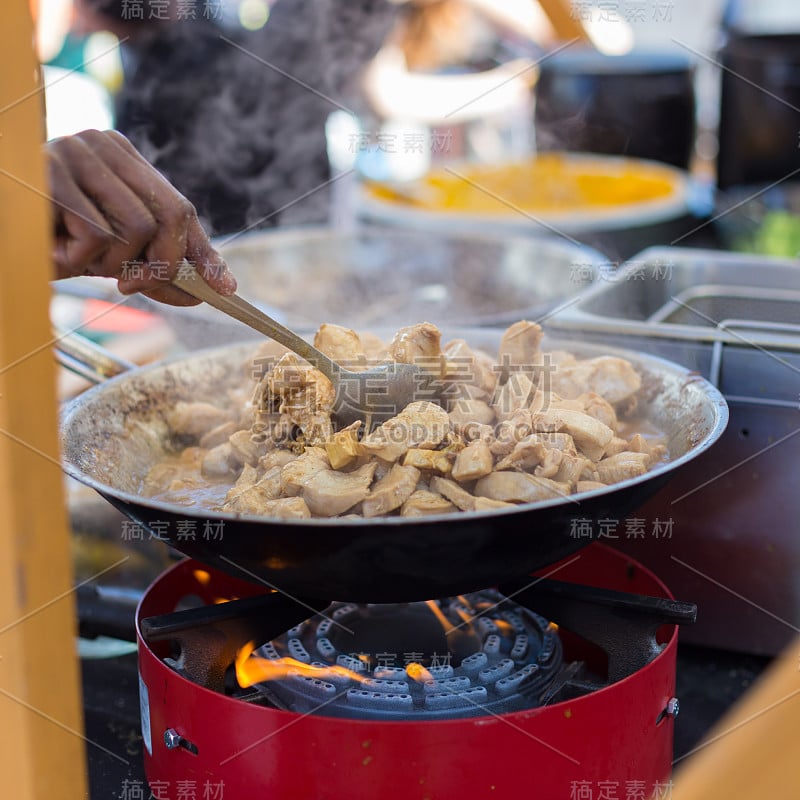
(465,616)
(437,612)
(503,626)
(252,669)
(202,576)
(418,673)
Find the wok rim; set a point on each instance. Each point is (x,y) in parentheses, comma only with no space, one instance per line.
(715,400)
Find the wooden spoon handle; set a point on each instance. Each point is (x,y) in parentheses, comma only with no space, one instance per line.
(234,306)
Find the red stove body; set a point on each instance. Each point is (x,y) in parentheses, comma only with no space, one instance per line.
(615,742)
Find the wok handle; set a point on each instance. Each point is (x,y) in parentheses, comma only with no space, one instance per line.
(85,358)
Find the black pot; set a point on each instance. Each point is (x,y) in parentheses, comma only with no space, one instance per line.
(640,104)
(759,125)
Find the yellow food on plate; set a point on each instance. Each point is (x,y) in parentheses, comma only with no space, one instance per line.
(549,184)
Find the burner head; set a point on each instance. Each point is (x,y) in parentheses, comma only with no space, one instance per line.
(459,657)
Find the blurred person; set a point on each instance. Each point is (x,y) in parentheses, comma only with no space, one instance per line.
(235,119)
(450,61)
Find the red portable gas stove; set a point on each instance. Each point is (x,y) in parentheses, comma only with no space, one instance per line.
(478,696)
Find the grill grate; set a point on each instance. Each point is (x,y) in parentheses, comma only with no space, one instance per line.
(481,654)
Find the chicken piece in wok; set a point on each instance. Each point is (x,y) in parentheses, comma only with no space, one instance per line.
(523,427)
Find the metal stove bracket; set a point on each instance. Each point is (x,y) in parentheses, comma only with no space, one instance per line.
(209,637)
(107,611)
(623,625)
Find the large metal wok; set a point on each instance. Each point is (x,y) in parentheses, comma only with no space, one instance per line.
(112,434)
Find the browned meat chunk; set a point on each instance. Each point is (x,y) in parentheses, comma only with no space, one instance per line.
(344,448)
(457,495)
(572,469)
(589,434)
(423,502)
(251,498)
(247,477)
(466,411)
(556,441)
(622,466)
(297,472)
(342,345)
(419,424)
(511,432)
(418,344)
(473,462)
(551,464)
(589,486)
(473,432)
(305,395)
(220,462)
(391,491)
(218,435)
(527,454)
(286,508)
(195,419)
(599,408)
(245,448)
(520,344)
(519,487)
(488,504)
(276,458)
(517,393)
(655,448)
(616,445)
(613,378)
(328,493)
(433,460)
(468,367)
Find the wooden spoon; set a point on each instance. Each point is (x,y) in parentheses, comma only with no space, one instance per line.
(372,396)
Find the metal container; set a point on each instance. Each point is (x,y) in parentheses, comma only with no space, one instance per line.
(758,109)
(372,277)
(640,104)
(724,533)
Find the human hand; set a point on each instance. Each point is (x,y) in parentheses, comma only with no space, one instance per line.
(115,215)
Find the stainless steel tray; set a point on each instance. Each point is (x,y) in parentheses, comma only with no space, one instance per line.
(733,518)
(734,318)
(687,294)
(704,305)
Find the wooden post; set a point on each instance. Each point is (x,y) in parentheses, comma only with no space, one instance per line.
(41,741)
(565,22)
